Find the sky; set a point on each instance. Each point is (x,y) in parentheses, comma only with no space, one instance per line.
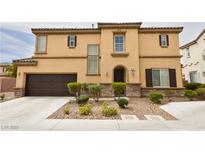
(17,40)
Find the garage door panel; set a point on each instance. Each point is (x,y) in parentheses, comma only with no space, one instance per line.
(47,92)
(48,84)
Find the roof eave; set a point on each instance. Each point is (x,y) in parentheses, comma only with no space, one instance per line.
(64,31)
(188,44)
(161,30)
(119,25)
(23,62)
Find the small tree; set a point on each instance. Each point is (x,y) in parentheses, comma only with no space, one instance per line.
(74,88)
(119,88)
(12,70)
(94,91)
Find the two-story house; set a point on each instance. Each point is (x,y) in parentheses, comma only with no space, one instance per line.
(194,59)
(144,58)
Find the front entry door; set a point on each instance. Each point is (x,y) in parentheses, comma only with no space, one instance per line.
(119,75)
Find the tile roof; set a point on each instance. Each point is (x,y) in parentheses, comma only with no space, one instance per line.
(107,25)
(65,30)
(113,25)
(161,29)
(25,61)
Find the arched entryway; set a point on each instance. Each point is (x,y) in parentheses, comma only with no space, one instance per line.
(119,74)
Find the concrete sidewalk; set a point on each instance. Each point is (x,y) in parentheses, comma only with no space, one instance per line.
(30,113)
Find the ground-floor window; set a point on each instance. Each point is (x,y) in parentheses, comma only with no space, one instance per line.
(193,76)
(160,78)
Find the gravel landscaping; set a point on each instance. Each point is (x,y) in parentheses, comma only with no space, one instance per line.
(137,106)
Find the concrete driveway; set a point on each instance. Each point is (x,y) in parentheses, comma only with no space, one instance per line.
(30,113)
(26,112)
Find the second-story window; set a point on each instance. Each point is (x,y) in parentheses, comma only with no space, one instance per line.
(72,40)
(41,44)
(93,59)
(164,40)
(119,43)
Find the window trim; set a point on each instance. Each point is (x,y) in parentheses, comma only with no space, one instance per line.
(160,78)
(167,40)
(114,49)
(36,44)
(70,36)
(93,74)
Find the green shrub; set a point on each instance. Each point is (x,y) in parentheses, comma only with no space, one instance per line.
(108,111)
(82,99)
(94,91)
(201,92)
(119,88)
(156,97)
(85,109)
(192,86)
(202,86)
(190,94)
(85,86)
(66,110)
(2,96)
(74,88)
(122,102)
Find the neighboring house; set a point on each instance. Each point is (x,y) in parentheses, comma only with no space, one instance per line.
(3,68)
(144,58)
(194,59)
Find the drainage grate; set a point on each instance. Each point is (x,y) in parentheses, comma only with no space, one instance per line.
(129,117)
(154,117)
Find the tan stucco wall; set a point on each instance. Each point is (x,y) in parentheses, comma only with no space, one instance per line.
(149,45)
(57,45)
(108,63)
(57,66)
(136,44)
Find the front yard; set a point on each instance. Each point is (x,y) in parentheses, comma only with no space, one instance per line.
(137,106)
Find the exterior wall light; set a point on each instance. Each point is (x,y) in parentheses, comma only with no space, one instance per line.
(106,74)
(133,72)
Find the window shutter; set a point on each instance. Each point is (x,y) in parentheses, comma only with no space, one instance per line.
(172,78)
(75,41)
(167,39)
(68,41)
(148,77)
(160,43)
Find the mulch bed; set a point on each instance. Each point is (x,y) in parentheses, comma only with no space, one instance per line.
(137,106)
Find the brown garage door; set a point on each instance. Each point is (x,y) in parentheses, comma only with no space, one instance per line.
(48,84)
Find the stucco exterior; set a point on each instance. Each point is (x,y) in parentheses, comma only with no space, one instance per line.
(142,51)
(195,62)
